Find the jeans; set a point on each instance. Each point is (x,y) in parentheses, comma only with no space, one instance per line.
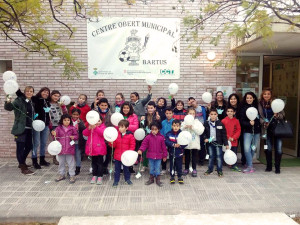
(277,143)
(97,165)
(24,145)
(249,141)
(177,164)
(215,154)
(154,167)
(188,153)
(77,156)
(126,172)
(234,149)
(40,138)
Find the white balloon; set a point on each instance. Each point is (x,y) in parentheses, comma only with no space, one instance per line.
(251,113)
(92,117)
(139,134)
(277,105)
(129,157)
(9,75)
(207,97)
(189,120)
(10,87)
(184,138)
(173,89)
(151,79)
(110,134)
(38,125)
(65,99)
(230,157)
(116,117)
(54,148)
(224,147)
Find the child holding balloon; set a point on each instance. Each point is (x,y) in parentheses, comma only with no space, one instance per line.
(157,151)
(195,128)
(215,137)
(124,142)
(96,148)
(83,106)
(66,134)
(233,129)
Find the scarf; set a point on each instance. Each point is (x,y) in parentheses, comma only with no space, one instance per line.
(81,105)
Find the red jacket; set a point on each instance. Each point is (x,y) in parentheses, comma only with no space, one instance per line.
(122,144)
(233,129)
(84,110)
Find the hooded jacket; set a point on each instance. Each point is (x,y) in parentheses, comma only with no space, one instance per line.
(156,146)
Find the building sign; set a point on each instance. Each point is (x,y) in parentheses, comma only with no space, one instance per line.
(133,48)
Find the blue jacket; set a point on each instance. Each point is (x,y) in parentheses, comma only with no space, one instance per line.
(203,114)
(166,126)
(171,139)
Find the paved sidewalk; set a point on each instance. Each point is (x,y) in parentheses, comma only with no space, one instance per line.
(40,197)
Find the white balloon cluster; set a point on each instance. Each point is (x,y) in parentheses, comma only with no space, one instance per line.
(184,138)
(10,86)
(189,120)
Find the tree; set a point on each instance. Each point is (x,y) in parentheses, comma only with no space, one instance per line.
(238,19)
(27,23)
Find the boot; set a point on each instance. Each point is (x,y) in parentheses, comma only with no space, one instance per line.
(43,162)
(151,180)
(131,169)
(77,171)
(269,161)
(157,179)
(277,162)
(55,162)
(25,170)
(35,164)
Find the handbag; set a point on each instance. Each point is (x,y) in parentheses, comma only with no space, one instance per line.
(282,129)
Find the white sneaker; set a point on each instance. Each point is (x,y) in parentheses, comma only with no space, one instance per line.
(163,172)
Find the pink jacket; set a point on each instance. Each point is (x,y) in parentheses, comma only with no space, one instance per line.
(95,145)
(133,123)
(64,138)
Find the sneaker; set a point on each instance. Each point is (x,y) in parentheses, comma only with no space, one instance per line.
(163,172)
(72,179)
(180,181)
(185,172)
(236,169)
(194,173)
(220,173)
(115,184)
(91,170)
(172,180)
(60,178)
(208,172)
(99,181)
(129,182)
(93,180)
(248,170)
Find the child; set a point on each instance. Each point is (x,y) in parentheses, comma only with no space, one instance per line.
(196,129)
(82,105)
(166,127)
(100,94)
(150,117)
(161,107)
(233,129)
(56,111)
(175,152)
(116,107)
(66,134)
(155,143)
(138,105)
(80,144)
(124,142)
(179,111)
(96,148)
(215,137)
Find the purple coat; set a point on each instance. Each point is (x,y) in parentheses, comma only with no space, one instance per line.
(156,146)
(64,139)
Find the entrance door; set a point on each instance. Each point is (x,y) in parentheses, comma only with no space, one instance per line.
(285,84)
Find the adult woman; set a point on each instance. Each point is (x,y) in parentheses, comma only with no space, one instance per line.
(266,118)
(42,108)
(250,129)
(119,100)
(22,129)
(220,104)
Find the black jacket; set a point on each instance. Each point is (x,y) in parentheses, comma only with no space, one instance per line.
(221,134)
(245,122)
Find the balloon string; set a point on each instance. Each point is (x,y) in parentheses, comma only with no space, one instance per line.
(22,112)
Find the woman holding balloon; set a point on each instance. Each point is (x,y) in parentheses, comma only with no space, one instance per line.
(269,113)
(251,128)
(22,129)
